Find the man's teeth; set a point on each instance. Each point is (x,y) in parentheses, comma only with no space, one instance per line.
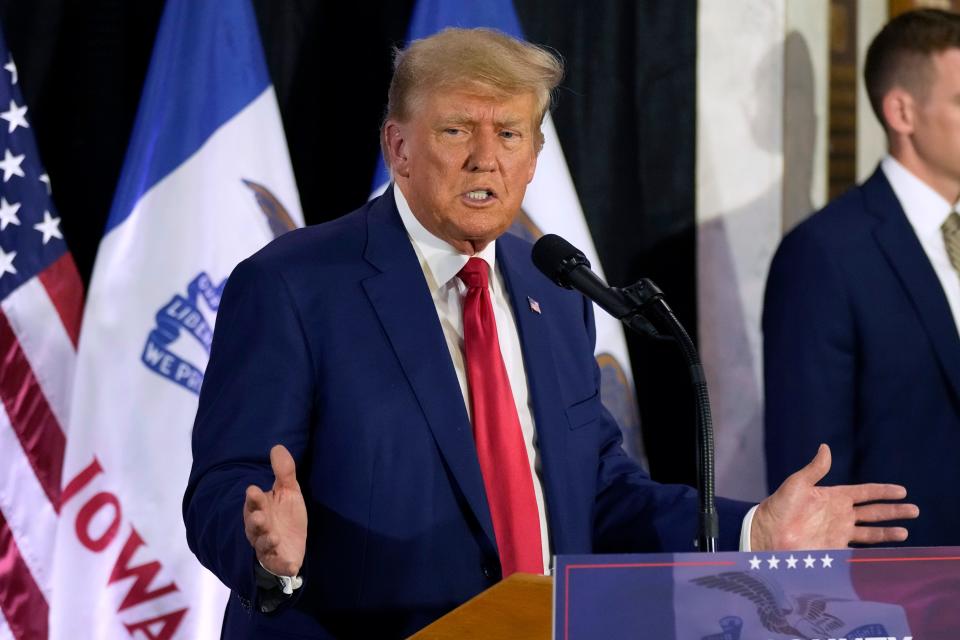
(478,195)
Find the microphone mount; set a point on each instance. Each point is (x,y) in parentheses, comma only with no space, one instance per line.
(652,312)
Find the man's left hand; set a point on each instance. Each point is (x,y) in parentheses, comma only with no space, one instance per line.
(801,515)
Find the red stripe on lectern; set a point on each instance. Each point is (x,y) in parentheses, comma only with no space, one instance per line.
(641,565)
(921,559)
(23,605)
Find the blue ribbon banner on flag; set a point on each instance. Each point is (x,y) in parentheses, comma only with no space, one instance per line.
(183,313)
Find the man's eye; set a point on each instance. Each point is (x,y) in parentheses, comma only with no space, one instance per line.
(509,135)
(451,131)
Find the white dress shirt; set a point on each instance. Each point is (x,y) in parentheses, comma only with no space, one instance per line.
(926,210)
(441,263)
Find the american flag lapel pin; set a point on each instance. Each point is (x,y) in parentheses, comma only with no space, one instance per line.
(534,305)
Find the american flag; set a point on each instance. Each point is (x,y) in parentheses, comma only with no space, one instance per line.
(41,298)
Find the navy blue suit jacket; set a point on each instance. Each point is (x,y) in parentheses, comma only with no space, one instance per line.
(328,342)
(861,352)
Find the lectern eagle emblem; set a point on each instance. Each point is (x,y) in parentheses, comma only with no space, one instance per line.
(802,616)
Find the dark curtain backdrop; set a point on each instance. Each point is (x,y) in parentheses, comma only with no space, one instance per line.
(625,115)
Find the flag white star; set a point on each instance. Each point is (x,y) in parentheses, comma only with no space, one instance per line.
(809,562)
(827,561)
(754,562)
(792,562)
(16,116)
(50,227)
(8,213)
(12,68)
(6,262)
(45,179)
(773,562)
(11,165)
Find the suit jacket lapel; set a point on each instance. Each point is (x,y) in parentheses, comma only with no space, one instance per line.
(400,296)
(899,243)
(521,280)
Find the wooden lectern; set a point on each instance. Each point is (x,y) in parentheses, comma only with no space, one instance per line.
(518,608)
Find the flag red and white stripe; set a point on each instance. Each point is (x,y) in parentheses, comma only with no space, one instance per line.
(38,327)
(41,299)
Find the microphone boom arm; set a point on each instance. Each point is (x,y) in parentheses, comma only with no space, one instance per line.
(647,300)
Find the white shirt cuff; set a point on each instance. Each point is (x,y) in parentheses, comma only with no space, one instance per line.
(288,584)
(745,529)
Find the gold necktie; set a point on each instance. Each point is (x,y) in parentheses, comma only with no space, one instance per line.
(951,238)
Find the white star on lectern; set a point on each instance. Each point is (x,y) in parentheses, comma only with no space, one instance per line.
(11,165)
(773,562)
(809,562)
(8,213)
(16,116)
(755,562)
(45,179)
(792,562)
(50,227)
(12,68)
(6,262)
(827,561)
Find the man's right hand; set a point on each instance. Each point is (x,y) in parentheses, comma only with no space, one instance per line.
(276,522)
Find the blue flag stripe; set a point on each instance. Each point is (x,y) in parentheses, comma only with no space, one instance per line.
(222,70)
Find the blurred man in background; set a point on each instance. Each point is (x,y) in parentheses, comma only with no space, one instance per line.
(861,349)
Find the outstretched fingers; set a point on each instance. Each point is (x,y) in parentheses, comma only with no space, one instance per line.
(255,500)
(878,535)
(254,514)
(881,512)
(871,492)
(885,512)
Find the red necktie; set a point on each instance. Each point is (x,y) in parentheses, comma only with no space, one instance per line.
(496,429)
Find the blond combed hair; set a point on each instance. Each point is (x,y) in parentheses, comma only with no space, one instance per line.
(470,58)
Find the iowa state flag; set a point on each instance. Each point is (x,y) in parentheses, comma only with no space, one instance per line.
(207,181)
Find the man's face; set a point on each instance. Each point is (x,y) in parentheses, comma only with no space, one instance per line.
(936,128)
(463,161)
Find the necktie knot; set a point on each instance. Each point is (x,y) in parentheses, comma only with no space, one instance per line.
(474,274)
(951,226)
(951,238)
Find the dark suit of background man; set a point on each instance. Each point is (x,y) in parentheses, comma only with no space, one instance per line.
(861,349)
(406,483)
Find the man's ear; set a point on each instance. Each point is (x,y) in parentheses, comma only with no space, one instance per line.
(533,168)
(396,147)
(899,111)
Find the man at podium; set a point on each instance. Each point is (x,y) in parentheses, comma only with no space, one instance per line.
(400,410)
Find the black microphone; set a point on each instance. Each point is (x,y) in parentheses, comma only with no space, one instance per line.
(568,267)
(637,306)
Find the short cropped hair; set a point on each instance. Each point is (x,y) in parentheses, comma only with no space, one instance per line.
(463,58)
(900,55)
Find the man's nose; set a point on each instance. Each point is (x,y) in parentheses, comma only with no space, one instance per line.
(483,154)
